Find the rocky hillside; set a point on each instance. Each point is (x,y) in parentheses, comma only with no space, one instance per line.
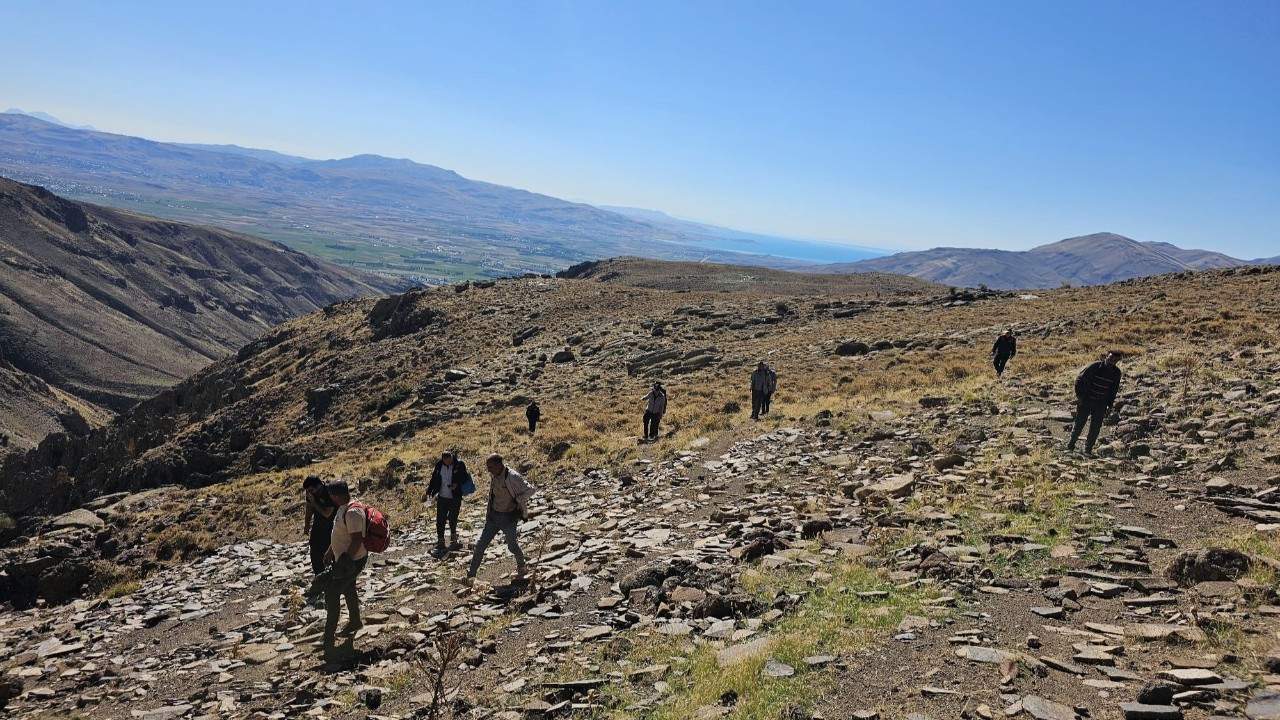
(100,308)
(1087,260)
(904,536)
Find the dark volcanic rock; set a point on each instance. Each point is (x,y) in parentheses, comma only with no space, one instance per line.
(1210,564)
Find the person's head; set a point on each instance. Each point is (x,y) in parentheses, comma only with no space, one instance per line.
(762,366)
(339,491)
(1009,332)
(1113,357)
(447,458)
(312,484)
(495,464)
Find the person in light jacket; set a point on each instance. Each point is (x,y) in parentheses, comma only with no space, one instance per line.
(655,405)
(509,495)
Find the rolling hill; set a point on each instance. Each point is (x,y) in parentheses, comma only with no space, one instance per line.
(100,308)
(389,216)
(1087,260)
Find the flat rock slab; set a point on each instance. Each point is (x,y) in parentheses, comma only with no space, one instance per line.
(735,654)
(1161,631)
(775,669)
(1042,709)
(980,654)
(77,518)
(1191,676)
(1265,705)
(258,654)
(1139,711)
(169,712)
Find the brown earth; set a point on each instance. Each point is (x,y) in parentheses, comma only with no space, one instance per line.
(101,308)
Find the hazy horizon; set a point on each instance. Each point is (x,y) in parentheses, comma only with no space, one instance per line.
(900,127)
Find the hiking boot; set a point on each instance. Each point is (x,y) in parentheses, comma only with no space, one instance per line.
(521,571)
(351,628)
(455,545)
(1071,446)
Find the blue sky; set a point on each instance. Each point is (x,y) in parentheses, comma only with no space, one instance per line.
(889,124)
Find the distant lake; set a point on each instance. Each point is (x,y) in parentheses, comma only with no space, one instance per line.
(808,250)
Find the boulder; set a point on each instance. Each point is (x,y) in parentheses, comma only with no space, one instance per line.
(1206,565)
(852,347)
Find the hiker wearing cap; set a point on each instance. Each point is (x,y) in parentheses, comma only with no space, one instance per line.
(1003,351)
(317,520)
(762,384)
(768,393)
(533,414)
(450,481)
(1096,388)
(509,495)
(348,555)
(655,405)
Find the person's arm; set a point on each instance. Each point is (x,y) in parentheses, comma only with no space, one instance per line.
(1115,388)
(1013,347)
(306,518)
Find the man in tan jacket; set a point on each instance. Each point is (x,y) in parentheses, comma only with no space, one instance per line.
(508,504)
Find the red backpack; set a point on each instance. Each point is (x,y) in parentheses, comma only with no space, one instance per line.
(377,534)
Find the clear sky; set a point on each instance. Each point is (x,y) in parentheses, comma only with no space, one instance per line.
(902,124)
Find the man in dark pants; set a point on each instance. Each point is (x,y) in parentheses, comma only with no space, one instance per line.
(508,503)
(761,386)
(533,414)
(655,406)
(349,555)
(1003,351)
(768,393)
(317,522)
(1096,388)
(447,481)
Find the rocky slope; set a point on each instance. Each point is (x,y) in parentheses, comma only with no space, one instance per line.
(718,277)
(100,308)
(903,537)
(1087,260)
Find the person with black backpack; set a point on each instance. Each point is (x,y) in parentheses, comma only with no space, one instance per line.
(1005,347)
(1096,388)
(533,414)
(450,482)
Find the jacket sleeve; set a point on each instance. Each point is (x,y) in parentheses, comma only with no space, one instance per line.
(1082,380)
(1013,346)
(433,487)
(520,491)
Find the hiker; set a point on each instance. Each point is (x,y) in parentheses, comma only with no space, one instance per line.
(768,392)
(348,555)
(533,413)
(1096,388)
(317,520)
(1003,351)
(449,482)
(655,406)
(762,383)
(508,504)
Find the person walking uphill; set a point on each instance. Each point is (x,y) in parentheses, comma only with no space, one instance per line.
(533,414)
(317,520)
(1096,388)
(450,481)
(508,503)
(348,554)
(654,408)
(763,383)
(1003,351)
(768,393)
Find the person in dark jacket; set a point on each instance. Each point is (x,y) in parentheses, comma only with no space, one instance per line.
(1003,351)
(655,406)
(317,520)
(763,383)
(447,483)
(1096,388)
(533,414)
(768,393)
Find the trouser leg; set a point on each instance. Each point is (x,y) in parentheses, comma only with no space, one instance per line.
(351,591)
(653,427)
(332,608)
(486,537)
(533,425)
(317,557)
(442,516)
(510,528)
(757,397)
(1082,414)
(455,508)
(1096,416)
(764,403)
(648,424)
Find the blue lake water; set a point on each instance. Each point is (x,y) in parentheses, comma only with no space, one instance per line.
(816,252)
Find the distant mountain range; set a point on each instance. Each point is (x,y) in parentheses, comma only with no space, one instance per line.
(48,118)
(100,308)
(390,216)
(1087,260)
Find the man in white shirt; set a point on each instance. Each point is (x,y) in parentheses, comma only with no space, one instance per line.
(508,503)
(449,480)
(348,555)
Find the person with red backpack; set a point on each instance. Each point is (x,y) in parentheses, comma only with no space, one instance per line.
(348,554)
